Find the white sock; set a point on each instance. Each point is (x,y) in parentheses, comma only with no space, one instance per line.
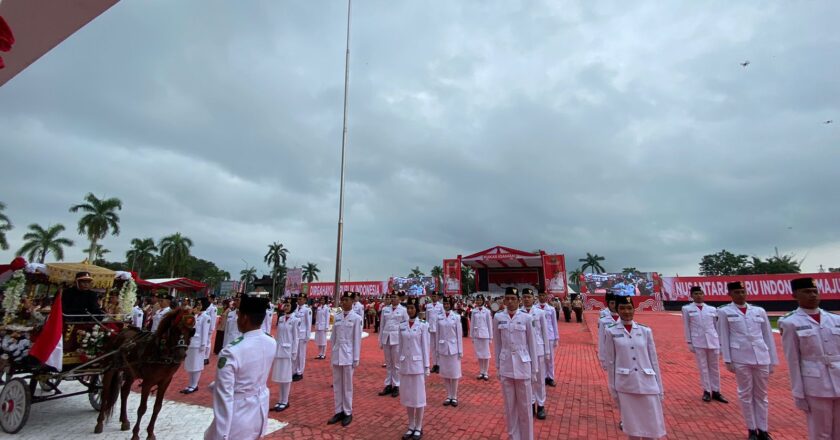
(454,388)
(410,418)
(418,418)
(194,378)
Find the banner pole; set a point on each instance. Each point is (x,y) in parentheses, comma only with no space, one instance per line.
(337,292)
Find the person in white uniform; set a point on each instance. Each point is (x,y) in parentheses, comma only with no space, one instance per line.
(553,336)
(481,321)
(240,391)
(603,322)
(287,351)
(213,313)
(358,307)
(391,317)
(137,314)
(541,342)
(346,342)
(304,314)
(269,319)
(194,362)
(231,329)
(322,326)
(811,340)
(450,350)
(414,368)
(700,326)
(635,382)
(749,351)
(516,352)
(165,302)
(434,310)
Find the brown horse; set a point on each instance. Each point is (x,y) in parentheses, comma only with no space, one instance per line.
(151,357)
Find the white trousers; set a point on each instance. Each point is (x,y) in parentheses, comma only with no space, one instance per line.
(432,354)
(823,418)
(392,363)
(518,415)
(752,392)
(343,388)
(538,394)
(549,362)
(709,366)
(285,389)
(300,364)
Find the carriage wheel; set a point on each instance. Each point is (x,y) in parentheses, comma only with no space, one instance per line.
(95,392)
(15,402)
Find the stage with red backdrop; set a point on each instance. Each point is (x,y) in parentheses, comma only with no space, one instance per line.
(500,267)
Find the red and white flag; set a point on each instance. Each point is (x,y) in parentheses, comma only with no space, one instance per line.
(49,348)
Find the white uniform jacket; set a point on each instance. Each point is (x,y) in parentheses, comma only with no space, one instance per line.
(515,349)
(632,364)
(304,314)
(389,324)
(605,312)
(813,353)
(700,326)
(137,317)
(359,309)
(550,321)
(540,331)
(414,347)
(746,338)
(433,313)
(603,322)
(481,321)
(287,339)
(346,339)
(322,318)
(157,317)
(450,335)
(231,329)
(267,321)
(240,393)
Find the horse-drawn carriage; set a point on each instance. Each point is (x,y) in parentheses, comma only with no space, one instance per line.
(83,360)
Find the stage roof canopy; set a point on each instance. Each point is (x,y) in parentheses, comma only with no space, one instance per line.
(173,283)
(499,257)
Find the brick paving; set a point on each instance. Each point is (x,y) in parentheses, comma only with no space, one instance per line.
(578,408)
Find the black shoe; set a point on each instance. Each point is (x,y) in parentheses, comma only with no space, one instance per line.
(435,369)
(541,412)
(395,392)
(347,420)
(418,434)
(707,396)
(454,402)
(386,391)
(297,377)
(447,402)
(408,434)
(719,397)
(336,418)
(764,435)
(550,382)
(753,434)
(190,390)
(534,409)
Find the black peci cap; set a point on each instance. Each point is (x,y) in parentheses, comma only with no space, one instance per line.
(802,283)
(696,289)
(735,285)
(512,291)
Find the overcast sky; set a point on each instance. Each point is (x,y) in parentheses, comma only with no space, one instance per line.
(626,129)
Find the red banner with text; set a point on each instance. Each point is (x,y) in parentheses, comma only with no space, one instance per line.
(554,271)
(365,288)
(759,287)
(452,277)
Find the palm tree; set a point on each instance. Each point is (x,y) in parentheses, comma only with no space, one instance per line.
(142,251)
(416,273)
(629,270)
(274,258)
(247,276)
(98,252)
(175,249)
(310,272)
(99,219)
(437,274)
(214,278)
(40,242)
(5,226)
(593,263)
(574,278)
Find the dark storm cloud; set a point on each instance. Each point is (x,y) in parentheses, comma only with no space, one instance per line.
(629,131)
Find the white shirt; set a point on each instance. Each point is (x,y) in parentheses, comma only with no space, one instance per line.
(516,352)
(700,326)
(746,338)
(137,317)
(157,317)
(812,350)
(389,324)
(482,323)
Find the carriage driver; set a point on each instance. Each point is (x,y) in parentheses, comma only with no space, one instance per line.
(80,299)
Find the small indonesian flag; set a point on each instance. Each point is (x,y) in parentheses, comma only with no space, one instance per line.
(49,348)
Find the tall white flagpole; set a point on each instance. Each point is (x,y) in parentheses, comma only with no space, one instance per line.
(337,292)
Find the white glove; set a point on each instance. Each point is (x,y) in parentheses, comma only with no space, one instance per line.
(691,348)
(801,404)
(355,364)
(730,367)
(427,371)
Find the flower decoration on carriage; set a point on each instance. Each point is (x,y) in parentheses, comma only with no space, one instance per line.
(13,295)
(15,345)
(128,296)
(90,342)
